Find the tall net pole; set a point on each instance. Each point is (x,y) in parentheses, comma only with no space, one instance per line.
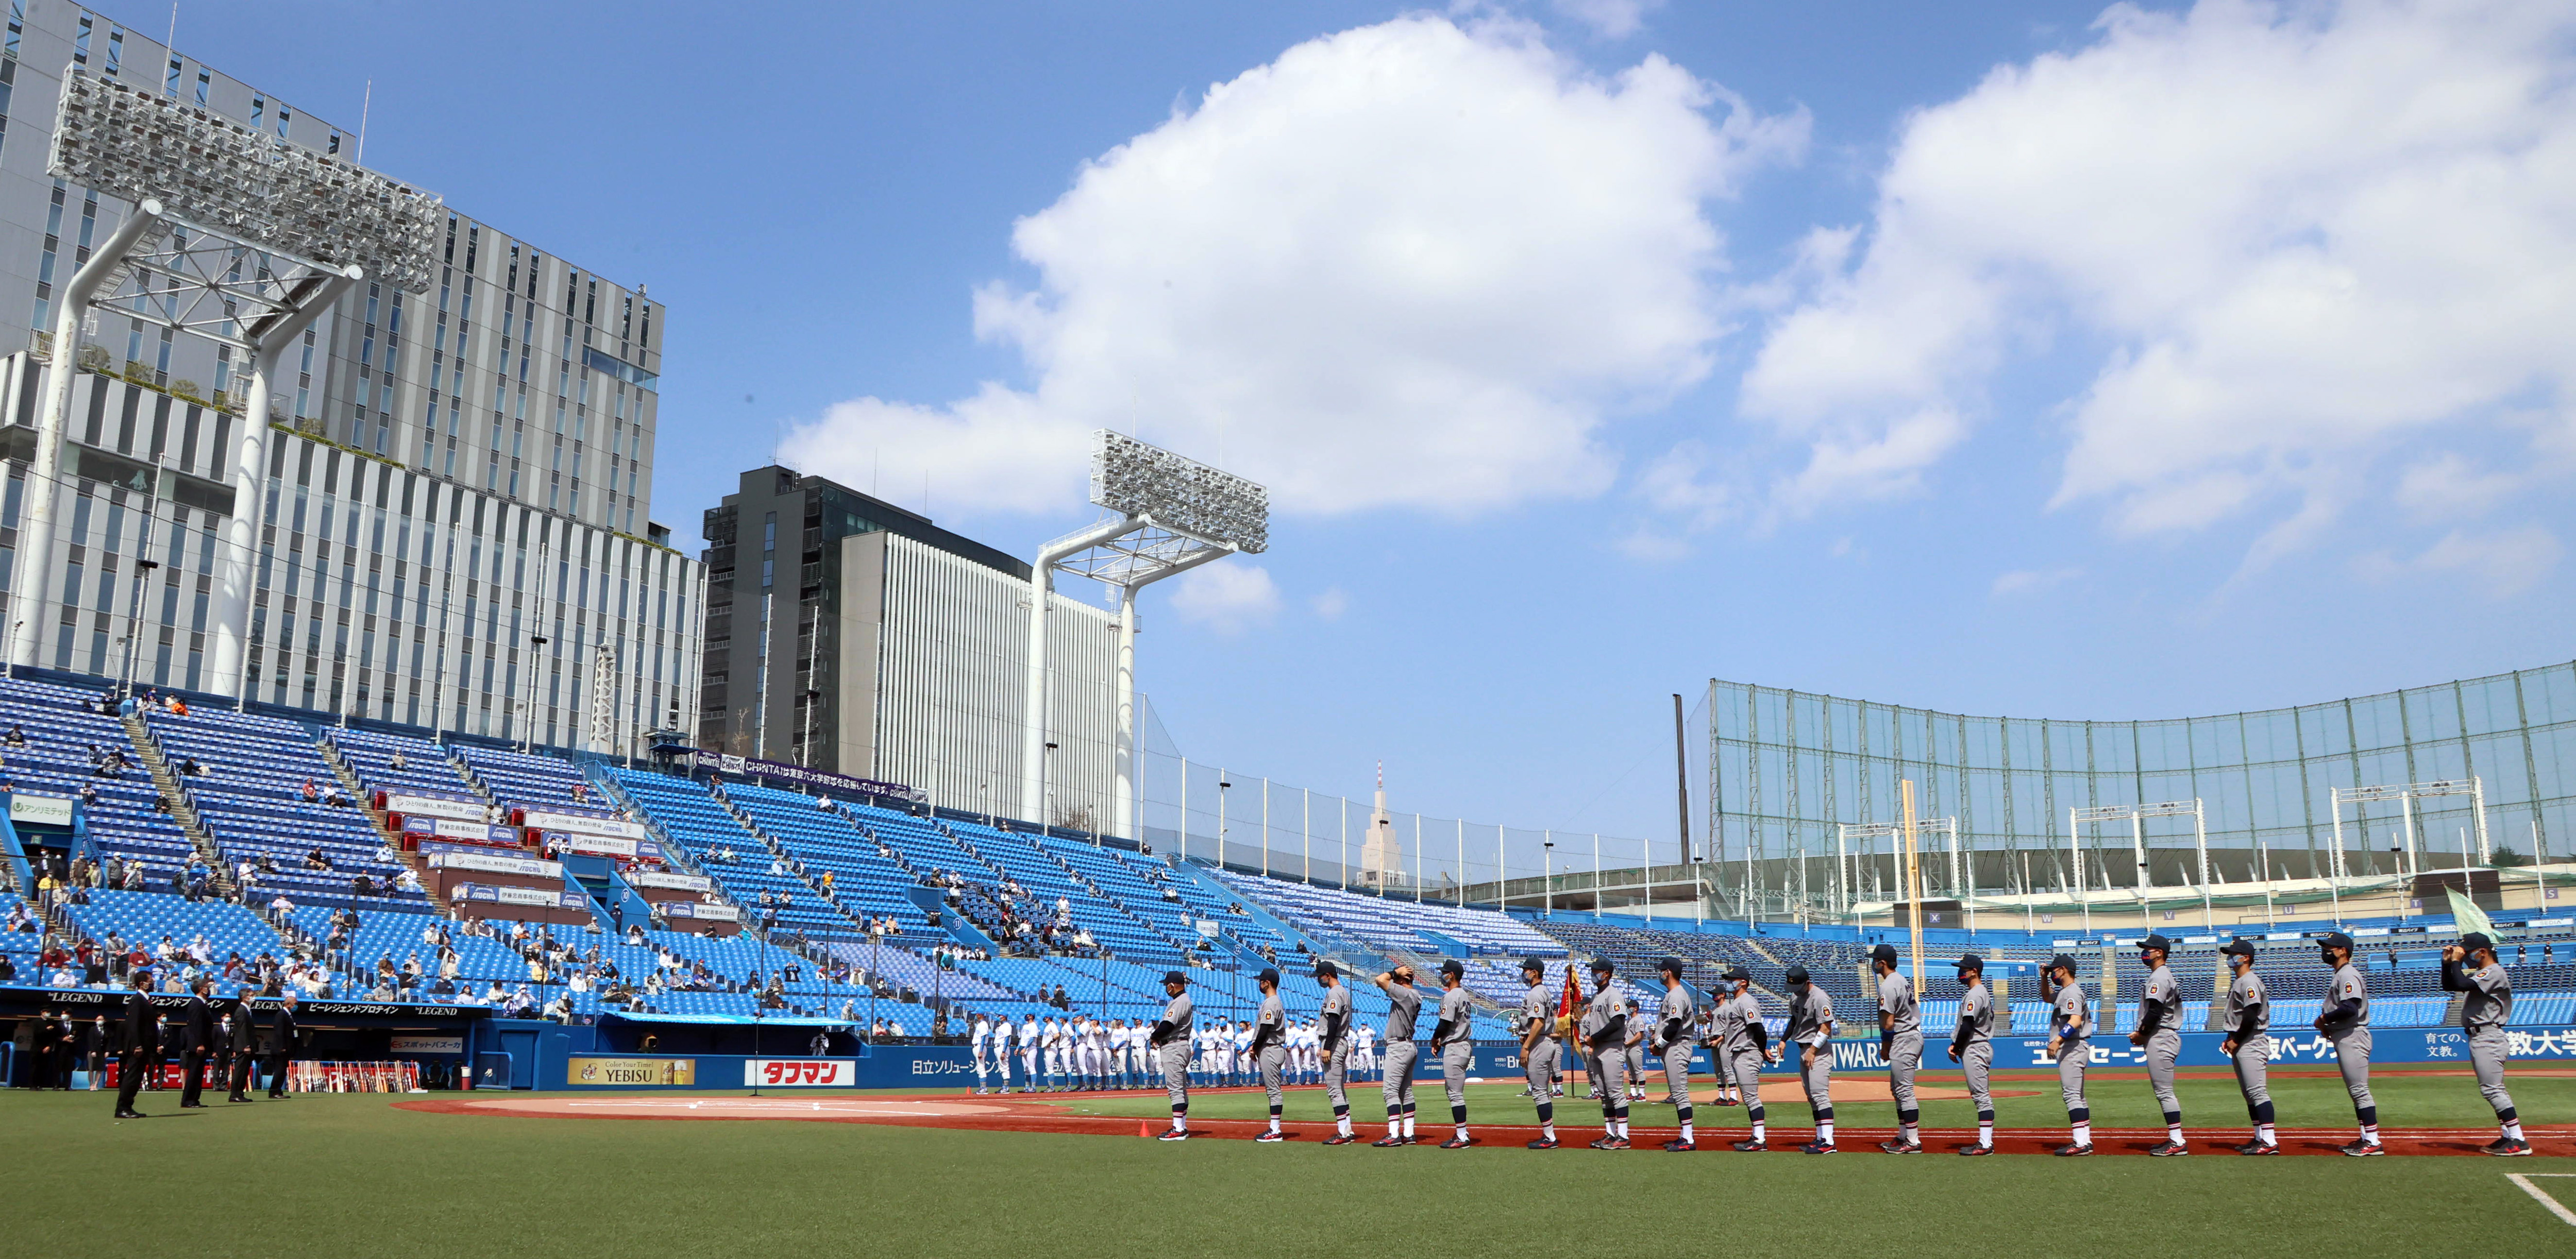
(1913,875)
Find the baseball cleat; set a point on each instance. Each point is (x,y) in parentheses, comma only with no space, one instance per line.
(1617,1143)
(1603,1142)
(2260,1147)
(1679,1146)
(1271,1136)
(1410,1139)
(1728,1101)
(1387,1142)
(1340,1138)
(1894,1146)
(2170,1149)
(2507,1147)
(2362,1149)
(1457,1143)
(1749,1147)
(1176,1134)
(1543,1143)
(2075,1151)
(1973,1150)
(1817,1147)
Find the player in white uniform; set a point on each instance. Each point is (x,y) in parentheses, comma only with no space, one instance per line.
(982,1039)
(1051,1045)
(1029,1053)
(1140,1049)
(1002,1038)
(1364,1051)
(1097,1033)
(1243,1064)
(1116,1066)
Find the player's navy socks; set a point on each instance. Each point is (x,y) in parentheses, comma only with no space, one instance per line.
(1909,1116)
(2263,1115)
(1547,1112)
(2369,1116)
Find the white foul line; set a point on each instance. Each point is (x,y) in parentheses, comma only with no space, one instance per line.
(2564,1215)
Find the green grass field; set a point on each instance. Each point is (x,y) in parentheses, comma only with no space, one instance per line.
(352,1175)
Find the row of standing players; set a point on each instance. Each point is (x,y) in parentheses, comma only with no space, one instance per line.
(1084,1054)
(1740,1042)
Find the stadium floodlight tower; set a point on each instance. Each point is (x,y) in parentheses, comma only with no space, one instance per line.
(237,236)
(2404,796)
(1162,515)
(2136,816)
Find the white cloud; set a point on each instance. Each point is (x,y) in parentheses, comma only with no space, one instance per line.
(2503,564)
(2025,580)
(1612,19)
(1228,596)
(2305,234)
(2448,487)
(1331,604)
(1409,265)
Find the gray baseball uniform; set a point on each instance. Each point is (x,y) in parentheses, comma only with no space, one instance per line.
(1730,1029)
(1395,1081)
(2164,1045)
(1337,1055)
(1458,1052)
(2075,1051)
(1673,1042)
(1904,1044)
(1636,1049)
(2253,1047)
(2482,1016)
(1271,1027)
(1539,1061)
(1607,1007)
(1811,1019)
(1176,1049)
(2351,1037)
(1977,1051)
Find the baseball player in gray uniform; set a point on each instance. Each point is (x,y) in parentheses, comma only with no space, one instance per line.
(2343,1018)
(2249,1017)
(1811,1029)
(1172,1037)
(1270,1049)
(1636,1049)
(1395,1080)
(1739,1040)
(1605,1034)
(1675,1042)
(2159,1032)
(1900,1045)
(1540,1048)
(1335,1047)
(1973,1047)
(2471,967)
(2070,1042)
(1454,1039)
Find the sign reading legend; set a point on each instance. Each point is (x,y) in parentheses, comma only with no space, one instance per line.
(664,1072)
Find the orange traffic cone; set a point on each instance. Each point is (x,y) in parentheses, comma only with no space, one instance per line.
(1144,1129)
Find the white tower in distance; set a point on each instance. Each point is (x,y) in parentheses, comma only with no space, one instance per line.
(1381,860)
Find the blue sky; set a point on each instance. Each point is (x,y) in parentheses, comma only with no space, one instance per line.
(2019,359)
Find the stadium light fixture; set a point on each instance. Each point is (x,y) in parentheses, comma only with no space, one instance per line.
(2404,796)
(2135,815)
(237,236)
(1164,515)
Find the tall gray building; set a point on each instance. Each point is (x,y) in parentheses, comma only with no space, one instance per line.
(458,526)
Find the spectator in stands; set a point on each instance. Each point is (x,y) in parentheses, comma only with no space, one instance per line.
(178,707)
(310,792)
(399,764)
(188,765)
(133,877)
(281,909)
(315,858)
(89,796)
(17,736)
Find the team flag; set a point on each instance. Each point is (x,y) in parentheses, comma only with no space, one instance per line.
(2468,915)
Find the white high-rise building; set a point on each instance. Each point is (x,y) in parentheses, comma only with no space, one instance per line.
(454,475)
(1381,853)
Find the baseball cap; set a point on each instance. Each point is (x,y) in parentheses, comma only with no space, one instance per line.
(1324,967)
(1883,953)
(1601,966)
(1971,962)
(1735,973)
(1453,967)
(1175,977)
(1670,966)
(2476,940)
(2335,940)
(1268,975)
(1531,963)
(2062,960)
(1796,975)
(2241,947)
(2157,942)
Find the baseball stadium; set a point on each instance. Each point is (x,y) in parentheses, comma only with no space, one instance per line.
(426,857)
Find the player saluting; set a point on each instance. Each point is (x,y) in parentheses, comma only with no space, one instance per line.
(1269,1052)
(1900,1045)
(1973,1047)
(1336,1046)
(2160,1033)
(1454,1040)
(1605,1034)
(1173,1036)
(2471,967)
(1403,1006)
(1540,1049)
(1738,1039)
(1811,1029)
(1673,1043)
(2249,1016)
(2344,1018)
(2069,1042)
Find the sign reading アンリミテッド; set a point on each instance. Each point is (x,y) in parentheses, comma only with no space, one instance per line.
(605,1071)
(799,1073)
(40,810)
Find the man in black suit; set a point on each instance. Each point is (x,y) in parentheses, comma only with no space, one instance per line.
(133,1045)
(66,1050)
(245,1044)
(197,1040)
(281,1043)
(48,1040)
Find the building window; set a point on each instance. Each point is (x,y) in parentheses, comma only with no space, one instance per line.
(80,57)
(170,84)
(258,112)
(205,86)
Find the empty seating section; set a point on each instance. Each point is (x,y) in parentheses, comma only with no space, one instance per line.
(704,829)
(425,765)
(250,799)
(1391,923)
(56,761)
(523,780)
(864,883)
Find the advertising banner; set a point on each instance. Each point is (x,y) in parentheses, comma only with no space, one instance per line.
(40,810)
(665,1072)
(476,832)
(700,910)
(581,823)
(448,1045)
(587,845)
(672,880)
(409,803)
(833,1073)
(749,767)
(493,863)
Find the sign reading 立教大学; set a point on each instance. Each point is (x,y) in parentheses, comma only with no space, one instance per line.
(667,1072)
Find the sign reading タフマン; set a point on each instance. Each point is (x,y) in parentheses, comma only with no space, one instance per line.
(666,1072)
